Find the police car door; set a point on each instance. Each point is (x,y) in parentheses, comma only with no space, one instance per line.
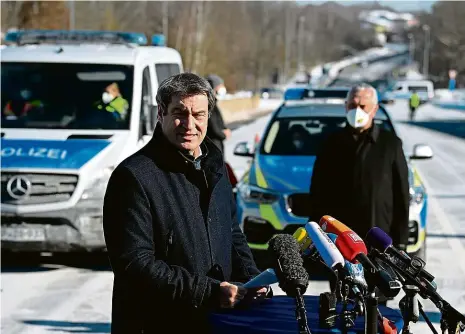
(148,110)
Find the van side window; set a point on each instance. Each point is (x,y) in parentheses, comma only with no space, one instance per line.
(166,70)
(148,117)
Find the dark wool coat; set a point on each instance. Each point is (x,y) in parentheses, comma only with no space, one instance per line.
(172,237)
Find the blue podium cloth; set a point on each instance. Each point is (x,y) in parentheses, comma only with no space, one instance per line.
(277,315)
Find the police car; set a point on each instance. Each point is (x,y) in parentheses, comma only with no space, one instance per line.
(62,134)
(273,196)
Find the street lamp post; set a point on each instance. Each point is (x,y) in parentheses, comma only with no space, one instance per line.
(72,15)
(411,47)
(300,42)
(427,31)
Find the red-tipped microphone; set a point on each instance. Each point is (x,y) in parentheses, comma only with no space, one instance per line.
(354,250)
(349,243)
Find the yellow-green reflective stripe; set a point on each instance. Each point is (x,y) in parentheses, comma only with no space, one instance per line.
(259,246)
(421,240)
(267,212)
(284,183)
(261,182)
(416,178)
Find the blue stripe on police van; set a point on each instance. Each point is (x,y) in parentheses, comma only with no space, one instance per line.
(70,154)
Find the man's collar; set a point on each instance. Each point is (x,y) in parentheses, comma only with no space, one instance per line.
(372,133)
(196,162)
(166,153)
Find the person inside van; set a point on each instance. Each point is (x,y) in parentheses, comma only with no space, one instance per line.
(22,105)
(113,102)
(414,103)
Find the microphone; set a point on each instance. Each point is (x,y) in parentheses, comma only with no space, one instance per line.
(305,243)
(353,249)
(292,277)
(288,264)
(349,243)
(313,262)
(332,225)
(378,239)
(354,271)
(327,249)
(265,278)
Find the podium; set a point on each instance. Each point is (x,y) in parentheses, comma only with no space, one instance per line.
(277,315)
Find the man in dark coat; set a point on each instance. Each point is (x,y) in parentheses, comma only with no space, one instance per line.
(360,177)
(217,130)
(170,223)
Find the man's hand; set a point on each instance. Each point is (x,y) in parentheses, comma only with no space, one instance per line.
(257,294)
(231,294)
(227,133)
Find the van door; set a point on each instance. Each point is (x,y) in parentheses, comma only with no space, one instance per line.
(148,112)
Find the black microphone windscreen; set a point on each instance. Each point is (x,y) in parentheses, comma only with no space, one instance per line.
(288,263)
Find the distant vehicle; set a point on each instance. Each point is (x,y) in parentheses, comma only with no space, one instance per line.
(60,141)
(403,90)
(271,93)
(273,196)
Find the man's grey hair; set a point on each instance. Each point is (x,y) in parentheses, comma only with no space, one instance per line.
(183,85)
(361,86)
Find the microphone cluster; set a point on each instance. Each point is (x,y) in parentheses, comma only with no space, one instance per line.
(359,271)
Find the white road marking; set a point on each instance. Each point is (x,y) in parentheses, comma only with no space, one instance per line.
(65,309)
(455,244)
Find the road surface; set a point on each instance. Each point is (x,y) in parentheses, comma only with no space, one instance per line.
(69,296)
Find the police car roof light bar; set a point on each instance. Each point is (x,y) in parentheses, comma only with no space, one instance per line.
(158,40)
(75,37)
(320,93)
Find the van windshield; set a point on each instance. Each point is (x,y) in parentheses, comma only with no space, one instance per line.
(66,96)
(418,88)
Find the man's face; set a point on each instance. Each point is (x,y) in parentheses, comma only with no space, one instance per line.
(363,99)
(185,122)
(113,90)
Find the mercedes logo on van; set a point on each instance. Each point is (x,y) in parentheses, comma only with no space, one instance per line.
(18,187)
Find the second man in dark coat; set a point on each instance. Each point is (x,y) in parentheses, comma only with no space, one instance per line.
(360,177)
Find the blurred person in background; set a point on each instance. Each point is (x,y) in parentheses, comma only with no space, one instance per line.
(169,218)
(217,130)
(22,105)
(414,103)
(300,139)
(113,102)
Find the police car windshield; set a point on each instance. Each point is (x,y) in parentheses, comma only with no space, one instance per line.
(66,96)
(303,136)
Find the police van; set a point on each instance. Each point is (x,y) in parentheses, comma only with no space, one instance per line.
(74,105)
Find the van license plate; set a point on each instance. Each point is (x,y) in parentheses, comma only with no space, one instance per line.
(23,234)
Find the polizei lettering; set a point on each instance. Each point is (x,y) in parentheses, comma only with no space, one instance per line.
(34,152)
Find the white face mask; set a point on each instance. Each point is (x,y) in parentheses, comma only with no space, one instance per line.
(298,143)
(107,97)
(26,94)
(221,91)
(357,118)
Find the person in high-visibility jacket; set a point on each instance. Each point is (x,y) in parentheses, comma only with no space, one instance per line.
(113,102)
(20,107)
(414,104)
